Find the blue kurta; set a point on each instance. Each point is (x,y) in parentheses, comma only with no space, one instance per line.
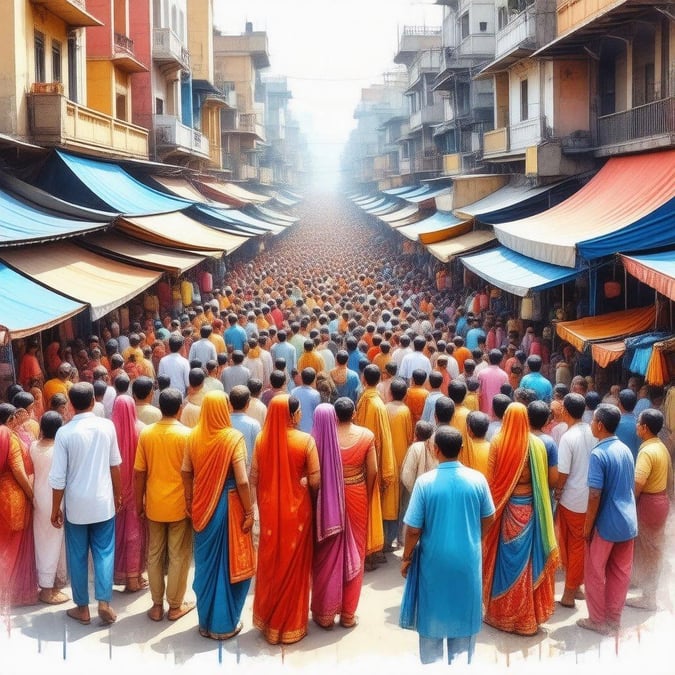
(448,504)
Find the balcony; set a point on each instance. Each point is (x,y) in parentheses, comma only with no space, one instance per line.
(574,13)
(173,137)
(226,162)
(56,121)
(452,164)
(429,160)
(404,166)
(266,175)
(432,114)
(427,62)
(496,142)
(525,134)
(73,12)
(518,32)
(644,127)
(415,39)
(168,50)
(123,55)
(248,124)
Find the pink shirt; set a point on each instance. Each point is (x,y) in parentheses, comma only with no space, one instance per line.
(491,380)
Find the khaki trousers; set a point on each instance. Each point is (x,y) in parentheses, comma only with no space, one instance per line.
(172,543)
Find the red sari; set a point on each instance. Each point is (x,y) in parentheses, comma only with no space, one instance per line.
(283,456)
(18,574)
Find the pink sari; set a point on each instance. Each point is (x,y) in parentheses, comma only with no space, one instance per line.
(130,537)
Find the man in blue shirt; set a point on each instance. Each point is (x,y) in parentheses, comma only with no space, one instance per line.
(450,509)
(309,399)
(536,381)
(235,335)
(627,429)
(611,524)
(240,396)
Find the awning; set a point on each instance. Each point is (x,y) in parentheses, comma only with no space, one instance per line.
(387,207)
(448,249)
(177,230)
(404,212)
(373,205)
(627,206)
(103,283)
(518,201)
(238,218)
(400,191)
(277,215)
(429,194)
(417,195)
(21,223)
(231,191)
(414,217)
(437,227)
(515,273)
(606,326)
(103,185)
(505,61)
(117,246)
(287,198)
(27,307)
(655,269)
(604,353)
(183,188)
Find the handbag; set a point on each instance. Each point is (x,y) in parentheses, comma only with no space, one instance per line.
(241,550)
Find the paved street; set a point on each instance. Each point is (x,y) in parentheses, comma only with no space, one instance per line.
(41,639)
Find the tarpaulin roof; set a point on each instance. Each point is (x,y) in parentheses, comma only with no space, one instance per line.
(604,353)
(429,194)
(234,192)
(183,188)
(26,307)
(437,227)
(403,212)
(655,269)
(374,205)
(422,191)
(284,200)
(103,185)
(639,351)
(627,206)
(126,249)
(238,217)
(516,273)
(277,215)
(99,281)
(606,326)
(450,248)
(400,191)
(177,230)
(387,207)
(518,201)
(21,223)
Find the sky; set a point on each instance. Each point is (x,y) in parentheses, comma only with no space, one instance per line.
(329,50)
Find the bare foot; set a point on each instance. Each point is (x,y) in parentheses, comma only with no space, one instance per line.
(601,628)
(641,602)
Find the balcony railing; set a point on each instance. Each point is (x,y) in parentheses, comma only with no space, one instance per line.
(429,160)
(56,121)
(495,142)
(266,175)
(429,61)
(652,119)
(519,31)
(167,46)
(172,135)
(527,133)
(123,44)
(432,114)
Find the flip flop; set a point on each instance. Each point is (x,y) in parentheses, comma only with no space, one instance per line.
(178,612)
(74,613)
(156,613)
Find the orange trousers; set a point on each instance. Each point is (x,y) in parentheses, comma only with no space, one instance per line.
(571,543)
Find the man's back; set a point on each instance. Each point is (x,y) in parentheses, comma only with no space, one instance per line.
(574,454)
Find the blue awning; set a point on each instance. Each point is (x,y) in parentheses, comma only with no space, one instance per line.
(387,207)
(21,223)
(277,215)
(27,307)
(516,273)
(429,194)
(103,185)
(441,224)
(374,205)
(237,218)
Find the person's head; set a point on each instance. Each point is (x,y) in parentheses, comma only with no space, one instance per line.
(342,357)
(560,390)
(472,383)
(477,423)
(281,336)
(81,396)
(100,387)
(469,367)
(592,400)
(8,413)
(122,383)
(495,357)
(579,385)
(575,405)
(277,379)
(141,388)
(58,403)
(237,357)
(444,409)
(344,409)
(448,442)
(534,363)
(64,370)
(371,374)
(419,377)
(175,343)
(170,401)
(423,430)
(196,378)
(308,375)
(507,390)
(606,419)
(538,414)
(419,343)
(435,379)
(649,424)
(294,409)
(627,400)
(254,385)
(163,382)
(457,391)
(240,397)
(500,402)
(398,389)
(50,423)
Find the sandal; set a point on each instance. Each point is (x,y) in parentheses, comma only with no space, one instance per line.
(176,613)
(156,613)
(107,615)
(79,615)
(351,623)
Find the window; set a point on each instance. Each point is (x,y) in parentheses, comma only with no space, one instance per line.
(502,17)
(430,97)
(121,107)
(464,25)
(159,106)
(73,47)
(650,88)
(482,26)
(39,40)
(56,61)
(523,100)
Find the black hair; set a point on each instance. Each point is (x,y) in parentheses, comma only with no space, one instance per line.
(574,404)
(81,395)
(478,422)
(50,423)
(449,441)
(170,401)
(538,413)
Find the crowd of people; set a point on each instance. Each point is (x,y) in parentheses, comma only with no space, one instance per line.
(331,401)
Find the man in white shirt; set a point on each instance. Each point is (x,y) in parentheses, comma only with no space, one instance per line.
(574,452)
(86,466)
(203,350)
(174,365)
(414,361)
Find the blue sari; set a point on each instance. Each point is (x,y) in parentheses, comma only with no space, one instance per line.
(219,602)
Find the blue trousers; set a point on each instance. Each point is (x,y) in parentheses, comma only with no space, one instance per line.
(431,649)
(100,538)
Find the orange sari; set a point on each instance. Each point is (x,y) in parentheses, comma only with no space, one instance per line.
(283,456)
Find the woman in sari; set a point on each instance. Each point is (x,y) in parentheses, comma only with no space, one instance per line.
(285,468)
(130,536)
(18,574)
(520,553)
(215,466)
